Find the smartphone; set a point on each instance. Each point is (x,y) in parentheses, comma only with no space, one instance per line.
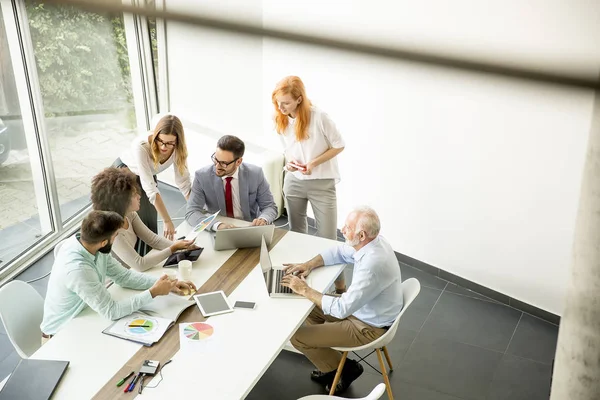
(245,304)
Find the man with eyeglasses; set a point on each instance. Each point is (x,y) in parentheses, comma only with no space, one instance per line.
(239,190)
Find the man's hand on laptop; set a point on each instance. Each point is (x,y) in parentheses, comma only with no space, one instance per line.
(183,288)
(223,225)
(297,269)
(259,222)
(297,284)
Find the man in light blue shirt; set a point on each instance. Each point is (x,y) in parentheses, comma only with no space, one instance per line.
(80,270)
(359,316)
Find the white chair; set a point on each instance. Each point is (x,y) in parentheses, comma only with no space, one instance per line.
(21,312)
(374,395)
(411,288)
(57,247)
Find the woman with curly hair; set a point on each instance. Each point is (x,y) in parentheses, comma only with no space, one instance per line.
(150,155)
(116,189)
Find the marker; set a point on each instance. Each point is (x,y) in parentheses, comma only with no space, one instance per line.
(129,387)
(139,326)
(122,381)
(134,382)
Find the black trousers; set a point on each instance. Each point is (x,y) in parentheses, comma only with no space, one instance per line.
(147,212)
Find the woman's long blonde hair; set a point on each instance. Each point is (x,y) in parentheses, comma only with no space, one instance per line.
(170,125)
(293,86)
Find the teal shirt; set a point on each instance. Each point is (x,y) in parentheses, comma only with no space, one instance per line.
(78,279)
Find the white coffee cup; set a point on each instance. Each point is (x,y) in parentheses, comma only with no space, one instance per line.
(171,274)
(185,270)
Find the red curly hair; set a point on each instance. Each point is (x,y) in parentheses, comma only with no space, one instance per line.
(293,86)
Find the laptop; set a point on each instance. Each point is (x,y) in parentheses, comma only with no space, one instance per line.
(33,380)
(239,238)
(273,276)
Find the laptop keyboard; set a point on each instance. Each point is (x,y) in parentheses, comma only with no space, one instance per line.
(278,288)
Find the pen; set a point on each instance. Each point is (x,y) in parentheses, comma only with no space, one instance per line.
(122,381)
(134,382)
(129,387)
(139,326)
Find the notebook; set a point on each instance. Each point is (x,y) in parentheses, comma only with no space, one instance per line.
(148,325)
(33,380)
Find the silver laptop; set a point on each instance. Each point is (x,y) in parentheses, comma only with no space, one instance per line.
(239,238)
(273,275)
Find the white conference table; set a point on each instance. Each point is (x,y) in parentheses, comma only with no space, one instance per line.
(244,344)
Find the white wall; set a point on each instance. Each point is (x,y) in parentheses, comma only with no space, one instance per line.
(474,174)
(215,77)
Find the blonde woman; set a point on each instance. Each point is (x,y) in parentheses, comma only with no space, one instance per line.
(311,142)
(150,155)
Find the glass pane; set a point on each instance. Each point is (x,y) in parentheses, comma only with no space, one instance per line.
(85,81)
(154,47)
(22,192)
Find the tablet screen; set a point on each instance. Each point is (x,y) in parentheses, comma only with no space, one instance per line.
(212,303)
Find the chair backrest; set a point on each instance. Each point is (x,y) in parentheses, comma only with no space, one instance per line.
(410,289)
(57,247)
(21,312)
(374,395)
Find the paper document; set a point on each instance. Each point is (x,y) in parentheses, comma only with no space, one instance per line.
(149,324)
(139,327)
(200,337)
(170,306)
(202,226)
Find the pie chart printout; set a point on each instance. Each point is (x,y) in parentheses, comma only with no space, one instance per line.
(141,326)
(197,331)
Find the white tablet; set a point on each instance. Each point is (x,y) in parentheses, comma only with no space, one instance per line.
(213,303)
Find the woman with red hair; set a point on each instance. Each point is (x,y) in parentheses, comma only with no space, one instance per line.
(311,142)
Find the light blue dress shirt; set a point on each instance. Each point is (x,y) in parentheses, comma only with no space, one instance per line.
(375,294)
(78,279)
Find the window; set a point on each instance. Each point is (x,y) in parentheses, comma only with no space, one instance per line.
(84,75)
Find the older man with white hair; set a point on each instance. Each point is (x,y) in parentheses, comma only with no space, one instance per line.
(357,317)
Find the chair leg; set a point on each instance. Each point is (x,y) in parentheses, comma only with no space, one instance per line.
(388,385)
(338,374)
(387,357)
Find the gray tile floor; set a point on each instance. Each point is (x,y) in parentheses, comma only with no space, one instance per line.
(452,344)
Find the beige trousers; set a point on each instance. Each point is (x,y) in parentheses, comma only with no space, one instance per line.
(321,332)
(322,196)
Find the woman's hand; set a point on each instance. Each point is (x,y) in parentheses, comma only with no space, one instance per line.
(181,245)
(308,168)
(169,230)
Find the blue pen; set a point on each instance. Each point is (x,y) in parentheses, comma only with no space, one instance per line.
(132,384)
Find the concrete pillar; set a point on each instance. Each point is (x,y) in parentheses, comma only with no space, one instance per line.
(577,364)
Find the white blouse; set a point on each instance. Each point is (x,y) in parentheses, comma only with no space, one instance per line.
(124,245)
(322,136)
(140,162)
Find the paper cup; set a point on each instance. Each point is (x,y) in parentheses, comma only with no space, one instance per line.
(185,270)
(171,274)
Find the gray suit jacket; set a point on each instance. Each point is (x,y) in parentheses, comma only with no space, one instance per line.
(208,195)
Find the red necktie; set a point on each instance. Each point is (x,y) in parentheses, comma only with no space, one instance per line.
(228,197)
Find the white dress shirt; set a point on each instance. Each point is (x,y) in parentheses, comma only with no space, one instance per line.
(322,135)
(375,294)
(139,161)
(235,196)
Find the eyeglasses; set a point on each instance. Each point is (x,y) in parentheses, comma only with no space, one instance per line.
(166,144)
(223,164)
